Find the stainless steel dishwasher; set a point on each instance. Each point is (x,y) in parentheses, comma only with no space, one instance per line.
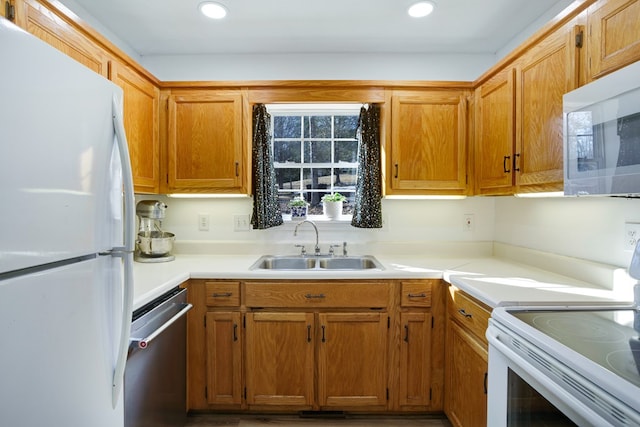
(155,375)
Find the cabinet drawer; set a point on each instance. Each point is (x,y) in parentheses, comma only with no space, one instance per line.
(223,294)
(312,295)
(416,294)
(469,314)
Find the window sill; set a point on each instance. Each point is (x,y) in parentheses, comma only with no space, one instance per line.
(344,219)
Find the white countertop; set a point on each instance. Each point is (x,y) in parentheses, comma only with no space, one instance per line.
(496,281)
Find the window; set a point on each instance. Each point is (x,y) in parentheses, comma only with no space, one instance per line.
(315,152)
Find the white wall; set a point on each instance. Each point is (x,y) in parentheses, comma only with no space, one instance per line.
(450,67)
(589,228)
(421,222)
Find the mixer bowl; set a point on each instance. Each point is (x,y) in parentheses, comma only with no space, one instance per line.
(155,243)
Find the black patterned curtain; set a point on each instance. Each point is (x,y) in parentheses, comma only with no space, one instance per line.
(367,212)
(266,210)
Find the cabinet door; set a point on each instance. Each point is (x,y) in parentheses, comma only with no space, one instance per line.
(205,149)
(428,143)
(280,359)
(494,135)
(415,359)
(614,35)
(51,28)
(544,75)
(466,378)
(224,358)
(141,124)
(352,365)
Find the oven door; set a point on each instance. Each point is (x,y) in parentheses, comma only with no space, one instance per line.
(520,394)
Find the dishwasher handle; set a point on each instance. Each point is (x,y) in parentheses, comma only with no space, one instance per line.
(144,342)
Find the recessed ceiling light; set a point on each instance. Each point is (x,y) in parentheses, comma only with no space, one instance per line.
(213,10)
(421,9)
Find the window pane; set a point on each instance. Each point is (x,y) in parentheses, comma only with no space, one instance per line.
(288,179)
(317,126)
(346,151)
(345,126)
(345,179)
(317,152)
(286,127)
(287,151)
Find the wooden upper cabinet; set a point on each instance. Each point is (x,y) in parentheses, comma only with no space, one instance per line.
(543,75)
(614,35)
(141,123)
(205,142)
(428,150)
(494,135)
(50,27)
(519,118)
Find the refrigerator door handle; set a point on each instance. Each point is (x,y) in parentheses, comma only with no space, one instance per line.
(126,253)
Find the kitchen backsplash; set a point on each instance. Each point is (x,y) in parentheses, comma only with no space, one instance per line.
(588,228)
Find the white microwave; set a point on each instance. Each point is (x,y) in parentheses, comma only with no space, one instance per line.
(601,123)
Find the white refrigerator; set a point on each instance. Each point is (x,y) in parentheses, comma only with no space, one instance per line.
(66,239)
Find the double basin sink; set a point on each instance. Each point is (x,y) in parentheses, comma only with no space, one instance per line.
(318,262)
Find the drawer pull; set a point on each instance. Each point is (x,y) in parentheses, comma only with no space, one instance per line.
(422,295)
(311,296)
(465,314)
(222,295)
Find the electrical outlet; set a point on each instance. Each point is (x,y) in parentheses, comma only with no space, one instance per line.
(241,223)
(631,235)
(469,222)
(203,222)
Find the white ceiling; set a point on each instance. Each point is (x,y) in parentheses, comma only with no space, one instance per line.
(169,27)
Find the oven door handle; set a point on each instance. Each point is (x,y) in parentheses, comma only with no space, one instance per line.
(578,411)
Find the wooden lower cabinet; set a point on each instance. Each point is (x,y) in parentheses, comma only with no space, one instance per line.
(280,359)
(224,357)
(466,361)
(287,346)
(352,362)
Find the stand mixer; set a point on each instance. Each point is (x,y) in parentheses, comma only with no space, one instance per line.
(152,244)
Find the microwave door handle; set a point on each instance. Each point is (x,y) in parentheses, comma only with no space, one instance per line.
(577,411)
(126,252)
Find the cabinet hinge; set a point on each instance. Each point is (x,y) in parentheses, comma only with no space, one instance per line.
(579,38)
(9,11)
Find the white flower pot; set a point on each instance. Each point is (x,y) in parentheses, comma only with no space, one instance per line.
(332,210)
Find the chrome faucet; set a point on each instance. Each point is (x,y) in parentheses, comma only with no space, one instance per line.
(295,233)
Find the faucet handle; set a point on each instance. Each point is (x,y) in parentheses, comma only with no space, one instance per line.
(331,251)
(303,251)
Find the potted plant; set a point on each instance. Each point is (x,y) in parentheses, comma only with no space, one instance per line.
(332,205)
(298,207)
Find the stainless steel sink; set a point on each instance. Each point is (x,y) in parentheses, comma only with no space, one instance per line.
(317,263)
(270,262)
(349,263)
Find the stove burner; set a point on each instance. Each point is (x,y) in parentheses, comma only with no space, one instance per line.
(584,328)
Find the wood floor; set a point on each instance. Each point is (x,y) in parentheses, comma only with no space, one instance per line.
(209,420)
